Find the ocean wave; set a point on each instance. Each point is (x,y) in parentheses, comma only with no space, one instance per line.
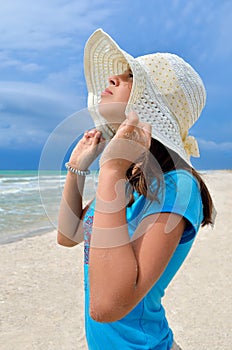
(29,202)
(11,179)
(10,191)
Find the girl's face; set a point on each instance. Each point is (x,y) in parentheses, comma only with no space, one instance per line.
(115,97)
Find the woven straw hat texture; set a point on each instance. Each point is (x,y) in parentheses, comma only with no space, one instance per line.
(167,92)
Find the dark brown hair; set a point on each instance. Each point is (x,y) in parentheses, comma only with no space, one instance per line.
(167,160)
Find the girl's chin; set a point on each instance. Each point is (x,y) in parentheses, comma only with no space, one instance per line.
(114,113)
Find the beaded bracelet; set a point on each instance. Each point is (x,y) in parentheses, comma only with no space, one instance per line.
(76,171)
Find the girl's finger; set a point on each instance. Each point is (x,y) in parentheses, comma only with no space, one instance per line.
(86,134)
(93,132)
(147,128)
(97,138)
(90,133)
(147,133)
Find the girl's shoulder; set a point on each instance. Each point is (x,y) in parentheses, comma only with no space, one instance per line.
(180,175)
(180,183)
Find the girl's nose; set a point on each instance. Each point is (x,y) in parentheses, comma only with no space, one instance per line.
(113,80)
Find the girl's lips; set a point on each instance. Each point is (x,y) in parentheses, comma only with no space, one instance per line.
(107,92)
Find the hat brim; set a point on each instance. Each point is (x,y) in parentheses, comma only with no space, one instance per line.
(102,59)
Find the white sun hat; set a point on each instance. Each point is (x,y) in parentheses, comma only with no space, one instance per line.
(166,92)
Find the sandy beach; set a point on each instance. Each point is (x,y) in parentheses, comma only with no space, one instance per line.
(41,288)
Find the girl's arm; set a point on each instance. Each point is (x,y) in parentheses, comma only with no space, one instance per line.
(121,272)
(70,230)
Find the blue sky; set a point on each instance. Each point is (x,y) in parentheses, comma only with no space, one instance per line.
(41,65)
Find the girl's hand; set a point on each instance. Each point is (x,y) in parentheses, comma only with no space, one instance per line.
(132,140)
(87,149)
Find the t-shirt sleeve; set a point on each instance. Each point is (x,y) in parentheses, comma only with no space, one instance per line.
(181,195)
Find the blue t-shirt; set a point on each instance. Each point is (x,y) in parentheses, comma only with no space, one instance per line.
(146,327)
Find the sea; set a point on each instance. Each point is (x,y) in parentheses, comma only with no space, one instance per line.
(29,202)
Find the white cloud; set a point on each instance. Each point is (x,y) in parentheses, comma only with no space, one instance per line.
(217,146)
(202,27)
(223,28)
(6,61)
(69,79)
(20,133)
(46,24)
(30,111)
(31,67)
(34,99)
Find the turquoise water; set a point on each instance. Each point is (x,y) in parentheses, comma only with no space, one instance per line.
(29,202)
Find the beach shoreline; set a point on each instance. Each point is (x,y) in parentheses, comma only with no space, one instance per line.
(20,236)
(41,288)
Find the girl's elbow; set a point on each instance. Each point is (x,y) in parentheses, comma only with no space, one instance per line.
(98,315)
(102,315)
(64,241)
(107,312)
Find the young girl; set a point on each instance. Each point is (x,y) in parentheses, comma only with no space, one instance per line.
(149,202)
